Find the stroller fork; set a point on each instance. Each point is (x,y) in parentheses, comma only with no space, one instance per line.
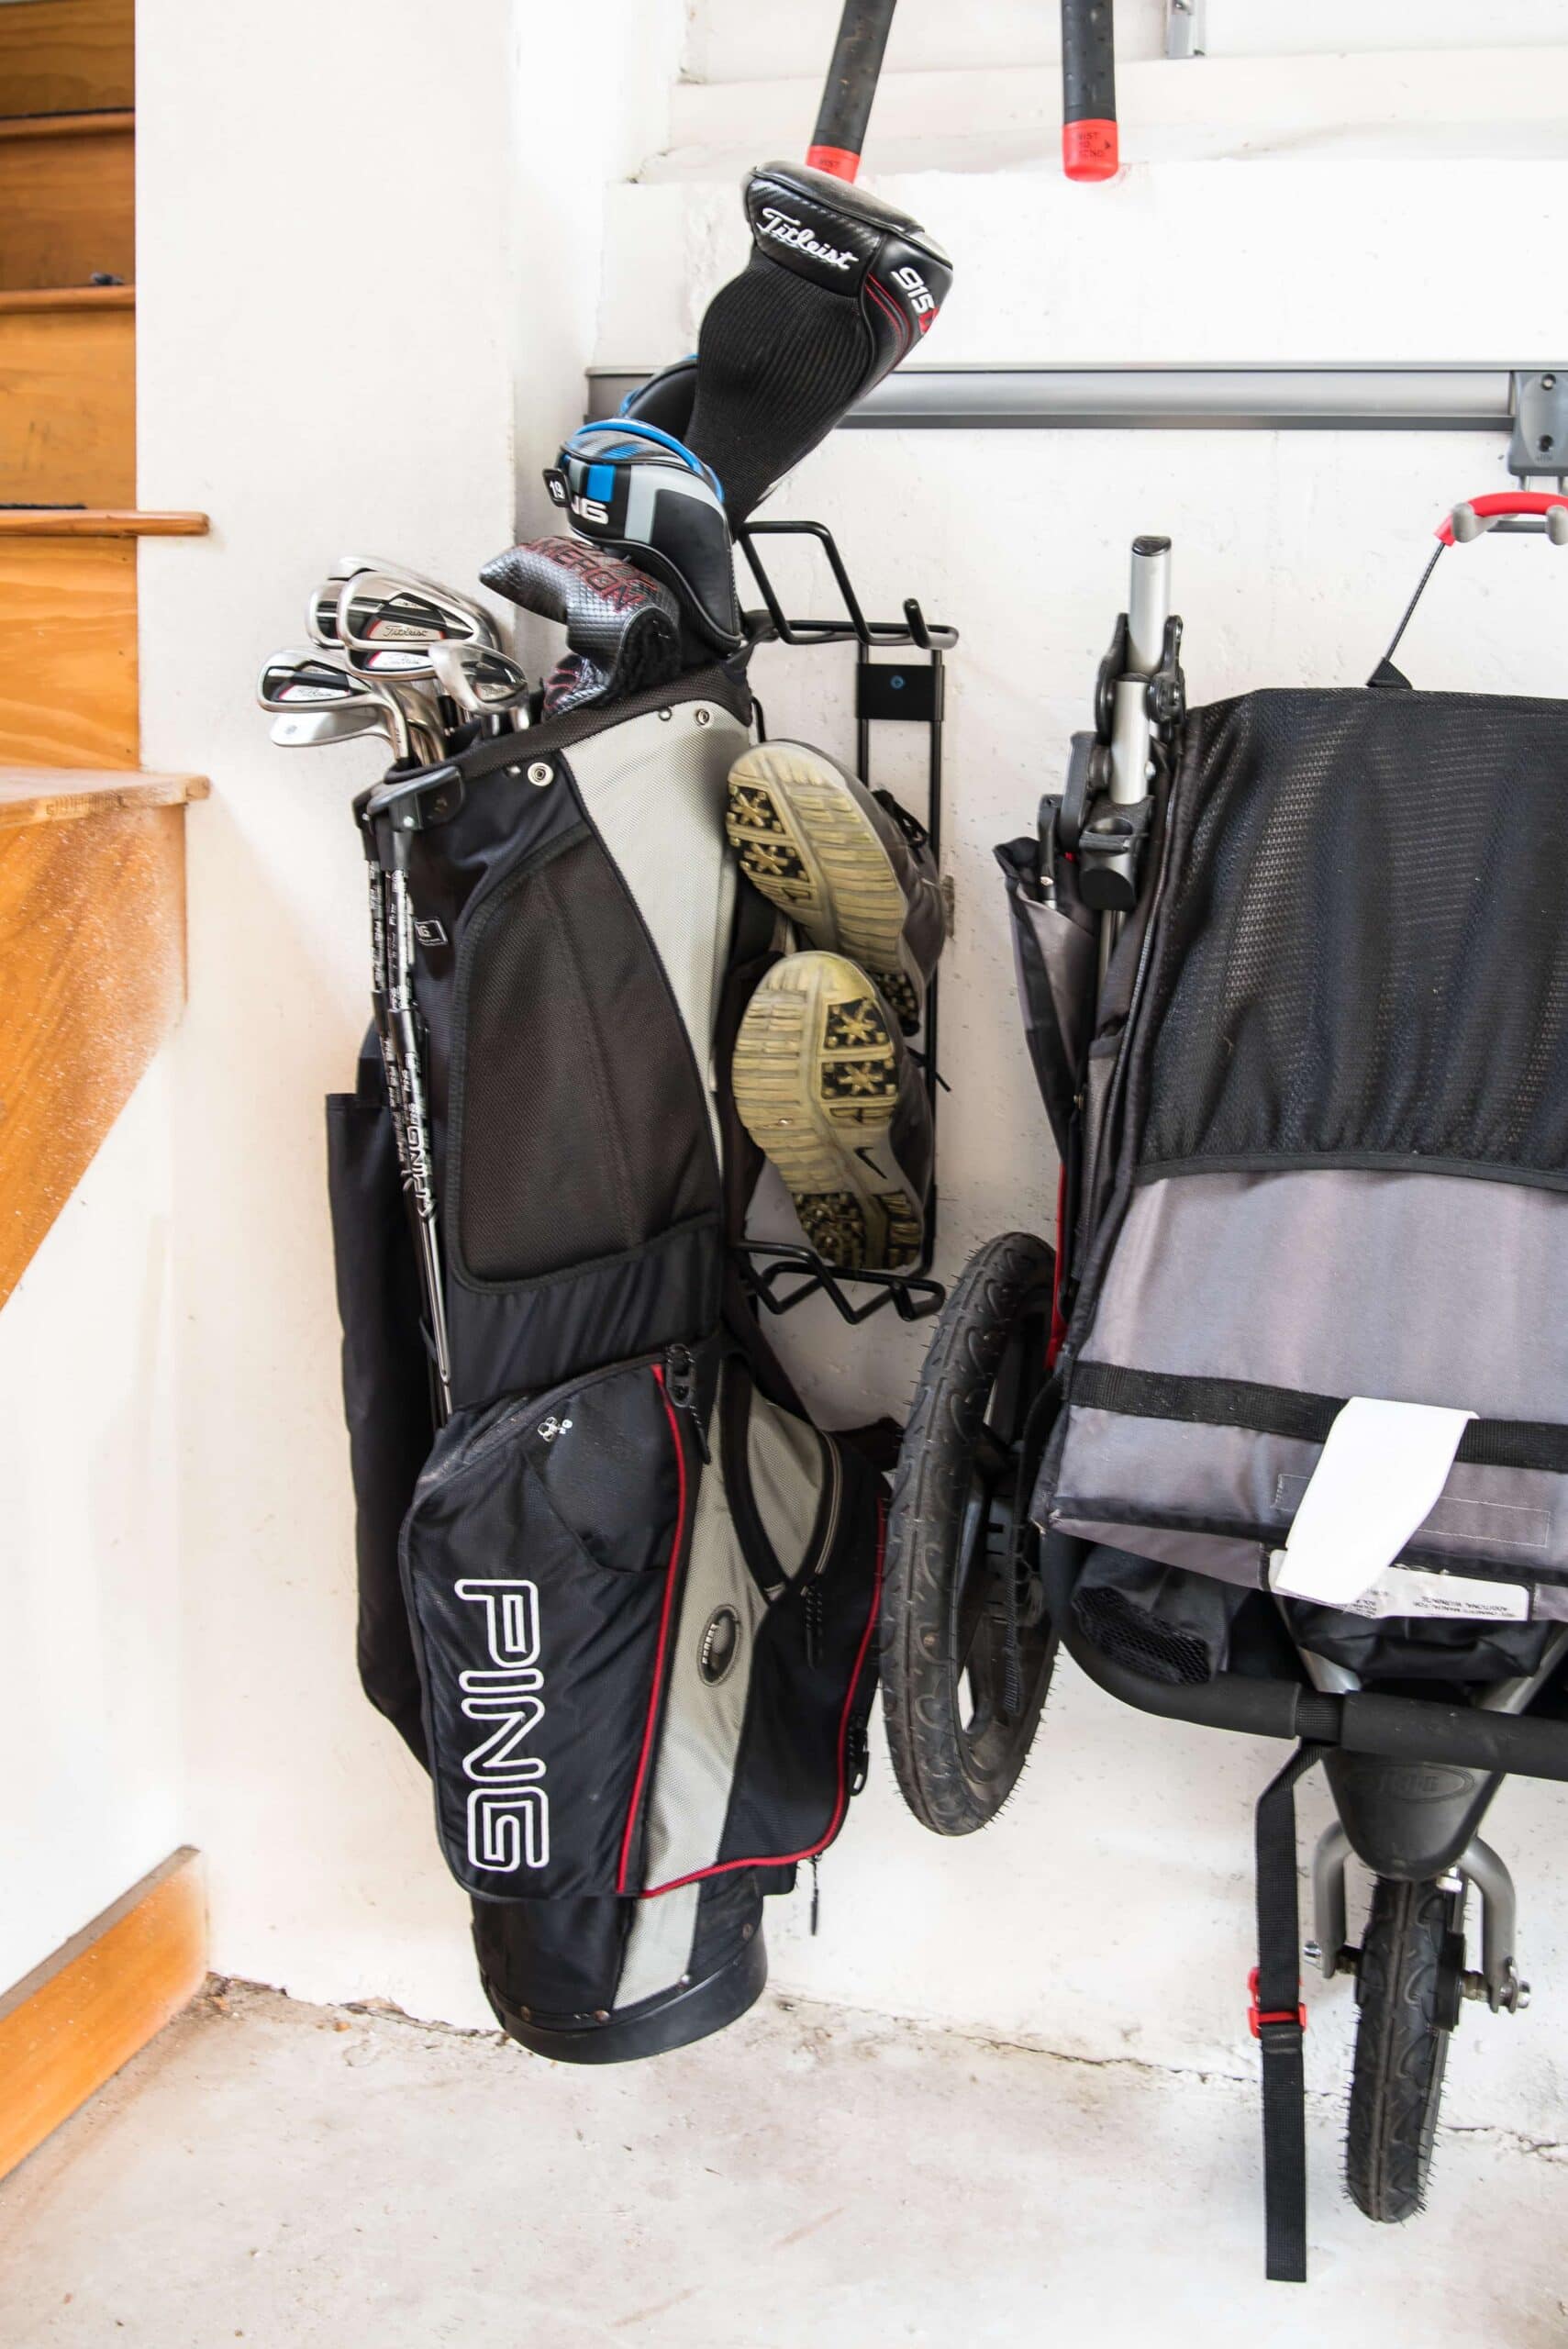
(1497,1982)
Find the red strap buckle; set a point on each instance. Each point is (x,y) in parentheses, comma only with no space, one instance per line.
(1255,2021)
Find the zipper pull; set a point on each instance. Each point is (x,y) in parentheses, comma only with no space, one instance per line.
(812,1603)
(816,1899)
(681,1385)
(857,1756)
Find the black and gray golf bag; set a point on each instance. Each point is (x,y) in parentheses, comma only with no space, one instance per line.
(621,1603)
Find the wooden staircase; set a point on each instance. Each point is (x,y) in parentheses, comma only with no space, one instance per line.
(92,848)
(69,533)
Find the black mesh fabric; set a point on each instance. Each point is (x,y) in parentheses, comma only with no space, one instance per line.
(582,1128)
(1129,1637)
(1363,952)
(779,361)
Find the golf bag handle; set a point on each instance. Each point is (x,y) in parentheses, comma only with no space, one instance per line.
(1455,527)
(840,136)
(1090,149)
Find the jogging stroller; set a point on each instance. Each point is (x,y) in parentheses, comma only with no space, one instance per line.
(1275,1439)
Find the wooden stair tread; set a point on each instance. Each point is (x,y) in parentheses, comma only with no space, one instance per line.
(67,297)
(102,124)
(97,522)
(64,794)
(92,978)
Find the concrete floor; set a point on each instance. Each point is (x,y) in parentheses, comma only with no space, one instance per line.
(304,2178)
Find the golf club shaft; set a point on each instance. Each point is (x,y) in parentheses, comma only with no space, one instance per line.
(838,140)
(403,1020)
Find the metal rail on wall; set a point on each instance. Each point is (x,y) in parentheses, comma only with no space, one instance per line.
(1530,404)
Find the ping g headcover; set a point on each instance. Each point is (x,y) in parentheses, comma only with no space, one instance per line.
(838,289)
(623,630)
(640,493)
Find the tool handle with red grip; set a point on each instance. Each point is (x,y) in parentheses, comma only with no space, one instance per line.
(839,136)
(1089,146)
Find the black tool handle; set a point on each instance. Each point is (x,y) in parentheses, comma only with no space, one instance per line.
(838,140)
(1089,145)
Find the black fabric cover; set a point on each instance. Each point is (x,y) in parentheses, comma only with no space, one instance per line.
(779,360)
(1055,955)
(1361,958)
(387,1387)
(577,1537)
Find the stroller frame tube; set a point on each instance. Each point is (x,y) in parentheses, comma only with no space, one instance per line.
(1404,1729)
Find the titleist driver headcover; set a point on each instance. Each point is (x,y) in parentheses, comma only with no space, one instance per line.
(623,630)
(838,289)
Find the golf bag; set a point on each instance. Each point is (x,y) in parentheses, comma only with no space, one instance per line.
(1316,1135)
(621,1603)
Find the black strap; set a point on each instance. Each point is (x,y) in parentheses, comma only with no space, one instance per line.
(1278,2019)
(1295,1412)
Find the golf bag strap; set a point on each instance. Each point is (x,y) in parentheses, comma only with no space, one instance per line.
(1278,2019)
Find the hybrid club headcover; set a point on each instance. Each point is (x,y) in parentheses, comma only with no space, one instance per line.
(838,289)
(642,494)
(623,630)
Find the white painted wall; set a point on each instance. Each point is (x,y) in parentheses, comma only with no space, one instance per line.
(90,1687)
(311,404)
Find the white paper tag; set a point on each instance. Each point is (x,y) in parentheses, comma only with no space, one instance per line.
(1412,1591)
(1381,1473)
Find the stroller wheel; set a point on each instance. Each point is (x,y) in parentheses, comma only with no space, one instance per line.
(967,1645)
(1408,1989)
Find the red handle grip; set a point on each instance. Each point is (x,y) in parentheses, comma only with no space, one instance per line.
(1496,503)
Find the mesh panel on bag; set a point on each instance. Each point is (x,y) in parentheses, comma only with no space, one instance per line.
(1363,953)
(583,1127)
(1128,1636)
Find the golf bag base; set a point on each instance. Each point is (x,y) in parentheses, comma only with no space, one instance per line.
(656,2026)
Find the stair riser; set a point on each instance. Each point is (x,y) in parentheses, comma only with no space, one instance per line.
(68,203)
(67,674)
(68,407)
(66,56)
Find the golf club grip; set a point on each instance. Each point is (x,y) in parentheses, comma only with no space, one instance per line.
(838,140)
(1089,144)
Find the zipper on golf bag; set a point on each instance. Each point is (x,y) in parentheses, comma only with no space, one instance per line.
(642,1607)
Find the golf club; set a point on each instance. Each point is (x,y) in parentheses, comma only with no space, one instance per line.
(304,729)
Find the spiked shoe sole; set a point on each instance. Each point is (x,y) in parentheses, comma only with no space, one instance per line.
(809,848)
(815,1080)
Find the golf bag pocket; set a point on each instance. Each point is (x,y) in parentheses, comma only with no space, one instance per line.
(643,1607)
(541,1557)
(581,1124)
(386,1387)
(769,1675)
